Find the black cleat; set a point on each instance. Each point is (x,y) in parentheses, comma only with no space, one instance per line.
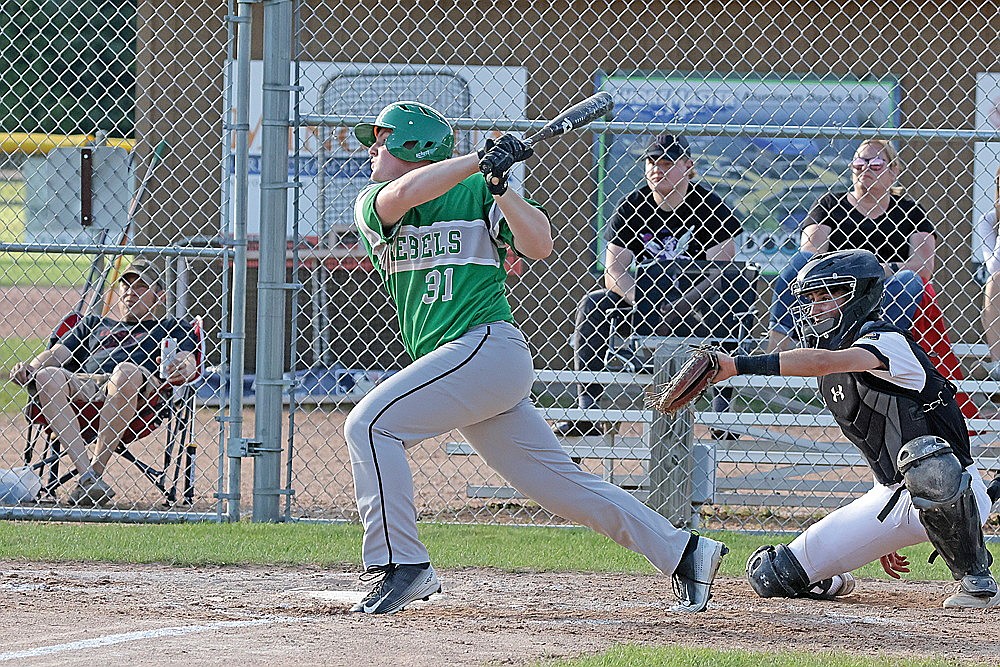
(694,575)
(397,586)
(831,588)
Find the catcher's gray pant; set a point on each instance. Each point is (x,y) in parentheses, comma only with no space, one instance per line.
(853,536)
(479,385)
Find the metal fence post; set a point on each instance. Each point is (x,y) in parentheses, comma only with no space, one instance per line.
(271,279)
(670,446)
(237,334)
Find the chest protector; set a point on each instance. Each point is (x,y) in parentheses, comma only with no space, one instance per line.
(879,417)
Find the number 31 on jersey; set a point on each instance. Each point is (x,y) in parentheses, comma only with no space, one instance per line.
(438,286)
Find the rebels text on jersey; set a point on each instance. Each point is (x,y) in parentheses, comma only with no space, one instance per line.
(442,263)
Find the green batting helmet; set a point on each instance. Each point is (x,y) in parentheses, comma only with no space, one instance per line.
(418,132)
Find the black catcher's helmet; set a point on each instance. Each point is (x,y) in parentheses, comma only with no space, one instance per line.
(854,276)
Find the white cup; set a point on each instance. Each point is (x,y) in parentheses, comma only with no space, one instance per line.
(168,352)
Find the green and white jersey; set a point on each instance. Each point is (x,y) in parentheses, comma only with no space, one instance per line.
(442,264)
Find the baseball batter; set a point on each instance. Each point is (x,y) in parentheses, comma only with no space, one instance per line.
(891,402)
(438,231)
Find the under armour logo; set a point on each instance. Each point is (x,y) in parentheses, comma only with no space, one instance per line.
(837,393)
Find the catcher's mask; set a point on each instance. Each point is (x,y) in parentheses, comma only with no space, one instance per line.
(854,279)
(419,132)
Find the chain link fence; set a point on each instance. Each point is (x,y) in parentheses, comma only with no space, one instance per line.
(103,170)
(773,102)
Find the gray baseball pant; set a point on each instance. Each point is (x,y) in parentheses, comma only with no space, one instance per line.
(480,385)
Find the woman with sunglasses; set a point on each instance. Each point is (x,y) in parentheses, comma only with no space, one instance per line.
(871,216)
(986,229)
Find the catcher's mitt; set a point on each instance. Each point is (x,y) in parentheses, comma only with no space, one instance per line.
(690,382)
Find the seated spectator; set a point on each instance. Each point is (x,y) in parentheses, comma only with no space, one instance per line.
(668,217)
(110,362)
(871,216)
(990,251)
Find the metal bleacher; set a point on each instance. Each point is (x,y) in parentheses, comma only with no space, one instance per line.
(770,464)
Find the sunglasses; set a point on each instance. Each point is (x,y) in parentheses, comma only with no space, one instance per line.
(874,163)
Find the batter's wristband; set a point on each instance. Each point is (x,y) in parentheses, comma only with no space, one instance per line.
(761,364)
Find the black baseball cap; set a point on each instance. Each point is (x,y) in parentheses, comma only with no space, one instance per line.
(144,270)
(667,147)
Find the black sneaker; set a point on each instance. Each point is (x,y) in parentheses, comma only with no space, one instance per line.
(577,429)
(396,587)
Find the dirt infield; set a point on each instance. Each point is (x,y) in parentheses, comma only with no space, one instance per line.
(159,615)
(83,613)
(33,312)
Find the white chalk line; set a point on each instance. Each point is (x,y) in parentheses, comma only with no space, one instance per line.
(124,638)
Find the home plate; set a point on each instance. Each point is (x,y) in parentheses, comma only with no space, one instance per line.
(346,597)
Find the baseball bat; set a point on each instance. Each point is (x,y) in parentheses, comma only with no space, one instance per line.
(127,233)
(575,117)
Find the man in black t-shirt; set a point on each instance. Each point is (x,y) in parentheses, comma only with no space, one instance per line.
(114,363)
(668,218)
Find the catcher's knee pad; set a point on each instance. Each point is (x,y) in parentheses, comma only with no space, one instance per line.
(930,469)
(775,572)
(941,490)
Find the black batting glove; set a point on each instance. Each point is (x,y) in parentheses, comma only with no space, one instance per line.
(486,149)
(519,150)
(497,159)
(496,182)
(496,166)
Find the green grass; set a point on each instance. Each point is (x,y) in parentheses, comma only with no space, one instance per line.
(628,655)
(12,215)
(13,350)
(184,544)
(13,398)
(452,546)
(32,268)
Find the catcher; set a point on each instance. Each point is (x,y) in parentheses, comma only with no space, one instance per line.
(899,411)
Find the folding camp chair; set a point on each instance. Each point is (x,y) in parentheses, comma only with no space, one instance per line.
(174,406)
